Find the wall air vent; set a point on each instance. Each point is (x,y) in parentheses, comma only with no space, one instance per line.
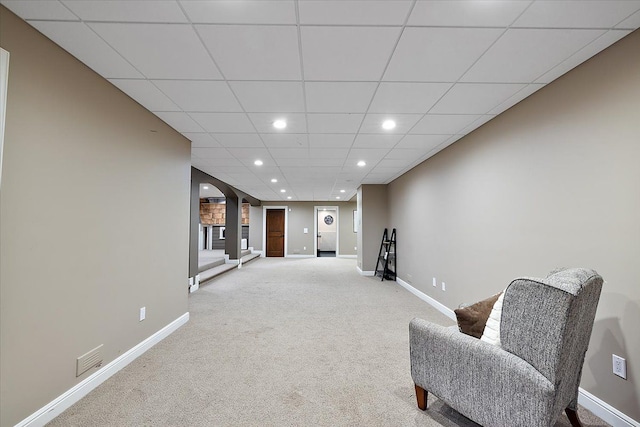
(89,360)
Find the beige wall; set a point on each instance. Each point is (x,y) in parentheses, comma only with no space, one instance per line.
(94,222)
(300,216)
(373,216)
(553,182)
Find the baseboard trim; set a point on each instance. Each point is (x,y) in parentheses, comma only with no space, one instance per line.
(347,256)
(435,304)
(74,394)
(599,407)
(365,273)
(299,256)
(605,411)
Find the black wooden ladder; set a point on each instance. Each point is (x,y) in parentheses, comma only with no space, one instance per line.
(386,265)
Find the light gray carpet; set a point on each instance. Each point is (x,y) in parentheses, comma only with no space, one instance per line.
(280,342)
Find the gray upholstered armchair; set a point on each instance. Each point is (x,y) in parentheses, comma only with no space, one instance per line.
(533,375)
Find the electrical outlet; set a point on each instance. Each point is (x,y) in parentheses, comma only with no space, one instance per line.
(619,366)
(434,282)
(444,287)
(143,313)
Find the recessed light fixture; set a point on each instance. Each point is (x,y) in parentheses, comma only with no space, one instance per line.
(283,191)
(206,187)
(338,197)
(258,163)
(289,197)
(362,163)
(279,124)
(388,124)
(343,191)
(274,180)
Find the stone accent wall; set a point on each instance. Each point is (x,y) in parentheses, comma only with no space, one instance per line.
(215,213)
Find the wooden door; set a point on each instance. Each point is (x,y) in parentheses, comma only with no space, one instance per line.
(275,232)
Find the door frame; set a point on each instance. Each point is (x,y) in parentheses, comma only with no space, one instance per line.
(315,228)
(264,228)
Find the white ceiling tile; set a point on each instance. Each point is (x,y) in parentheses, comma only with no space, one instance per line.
(200,95)
(632,22)
(247,52)
(289,153)
(375,140)
(339,97)
(576,14)
(292,162)
(39,9)
(423,142)
(443,124)
(523,55)
(285,140)
(224,122)
(201,140)
(331,140)
(329,153)
(369,155)
(407,97)
(264,122)
(127,10)
(438,54)
(475,98)
(251,154)
(77,39)
(223,162)
(601,43)
(240,12)
(326,162)
(475,13)
(353,12)
(476,124)
(373,123)
(269,96)
(179,121)
(239,140)
(145,93)
(346,53)
(405,154)
(391,162)
(160,51)
(334,123)
(522,94)
(211,153)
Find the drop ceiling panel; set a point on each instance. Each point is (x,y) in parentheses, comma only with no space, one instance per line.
(375,141)
(405,154)
(127,10)
(292,162)
(290,153)
(466,13)
(334,123)
(425,142)
(443,124)
(438,54)
(369,155)
(78,39)
(224,122)
(244,12)
(339,97)
(346,53)
(251,154)
(264,122)
(562,14)
(331,140)
(475,98)
(350,12)
(211,153)
(239,140)
(324,162)
(160,51)
(372,123)
(200,95)
(475,124)
(291,140)
(631,22)
(247,52)
(407,97)
(329,153)
(269,96)
(202,140)
(179,121)
(522,55)
(39,9)
(145,93)
(522,94)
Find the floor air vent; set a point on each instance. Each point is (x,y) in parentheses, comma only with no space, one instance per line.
(89,360)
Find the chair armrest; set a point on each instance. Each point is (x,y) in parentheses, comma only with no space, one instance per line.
(480,380)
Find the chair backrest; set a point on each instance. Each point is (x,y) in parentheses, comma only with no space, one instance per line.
(548,322)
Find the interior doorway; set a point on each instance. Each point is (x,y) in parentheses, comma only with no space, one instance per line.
(326,227)
(275,232)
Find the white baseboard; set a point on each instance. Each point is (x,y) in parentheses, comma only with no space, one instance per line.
(599,407)
(299,256)
(435,304)
(365,273)
(347,256)
(74,394)
(231,261)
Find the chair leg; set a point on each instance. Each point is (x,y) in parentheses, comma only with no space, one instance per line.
(573,417)
(421,395)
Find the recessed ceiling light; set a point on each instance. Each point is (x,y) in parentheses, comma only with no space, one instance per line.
(206,187)
(283,191)
(388,124)
(362,163)
(274,180)
(289,197)
(343,191)
(279,124)
(338,197)
(258,163)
